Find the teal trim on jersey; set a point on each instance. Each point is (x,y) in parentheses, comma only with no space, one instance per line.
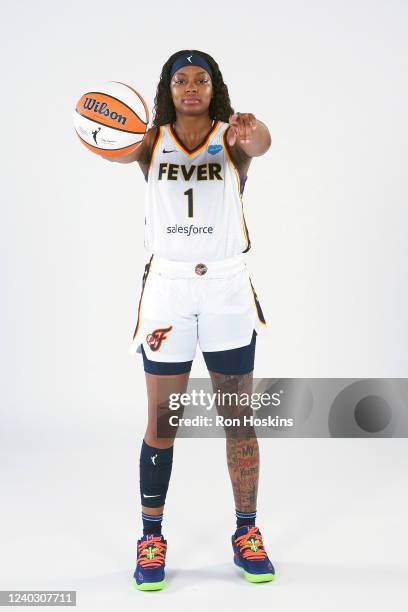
(148,586)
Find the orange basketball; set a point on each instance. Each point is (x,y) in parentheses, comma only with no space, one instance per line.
(111,119)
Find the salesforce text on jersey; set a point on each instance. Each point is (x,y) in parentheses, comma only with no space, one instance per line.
(190,229)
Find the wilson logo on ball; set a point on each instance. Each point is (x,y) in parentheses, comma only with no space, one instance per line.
(91,104)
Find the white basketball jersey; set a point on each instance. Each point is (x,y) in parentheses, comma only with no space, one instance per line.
(193,207)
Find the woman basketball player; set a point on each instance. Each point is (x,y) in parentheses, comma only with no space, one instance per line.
(196,287)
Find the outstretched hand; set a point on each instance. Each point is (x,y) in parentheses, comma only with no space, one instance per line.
(241,128)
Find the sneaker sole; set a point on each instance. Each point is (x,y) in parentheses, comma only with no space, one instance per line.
(149,586)
(256,577)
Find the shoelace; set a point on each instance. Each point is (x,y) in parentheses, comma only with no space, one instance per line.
(250,545)
(151,552)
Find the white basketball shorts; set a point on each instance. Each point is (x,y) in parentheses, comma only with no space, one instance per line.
(182,303)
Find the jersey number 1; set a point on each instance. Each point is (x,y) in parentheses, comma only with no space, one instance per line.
(189,194)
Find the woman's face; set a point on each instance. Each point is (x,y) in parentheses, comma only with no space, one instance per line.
(191,89)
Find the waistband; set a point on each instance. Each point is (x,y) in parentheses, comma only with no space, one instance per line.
(200,269)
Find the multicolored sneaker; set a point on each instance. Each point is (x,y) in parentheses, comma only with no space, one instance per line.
(250,554)
(151,560)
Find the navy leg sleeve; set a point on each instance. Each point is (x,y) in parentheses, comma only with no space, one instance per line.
(155,470)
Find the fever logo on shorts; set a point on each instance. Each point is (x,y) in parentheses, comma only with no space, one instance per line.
(155,339)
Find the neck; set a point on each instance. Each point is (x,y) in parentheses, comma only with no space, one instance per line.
(193,125)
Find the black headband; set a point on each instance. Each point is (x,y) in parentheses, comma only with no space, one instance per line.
(192,59)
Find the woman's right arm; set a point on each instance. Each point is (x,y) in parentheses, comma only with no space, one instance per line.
(142,152)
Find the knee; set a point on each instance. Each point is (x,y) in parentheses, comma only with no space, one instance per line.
(152,440)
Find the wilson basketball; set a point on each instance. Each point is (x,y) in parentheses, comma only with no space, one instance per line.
(111,119)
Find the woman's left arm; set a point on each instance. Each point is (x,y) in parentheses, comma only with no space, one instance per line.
(249,134)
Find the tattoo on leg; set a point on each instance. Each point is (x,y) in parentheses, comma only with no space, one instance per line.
(244,480)
(241,442)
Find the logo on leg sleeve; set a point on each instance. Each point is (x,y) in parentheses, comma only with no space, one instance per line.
(155,339)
